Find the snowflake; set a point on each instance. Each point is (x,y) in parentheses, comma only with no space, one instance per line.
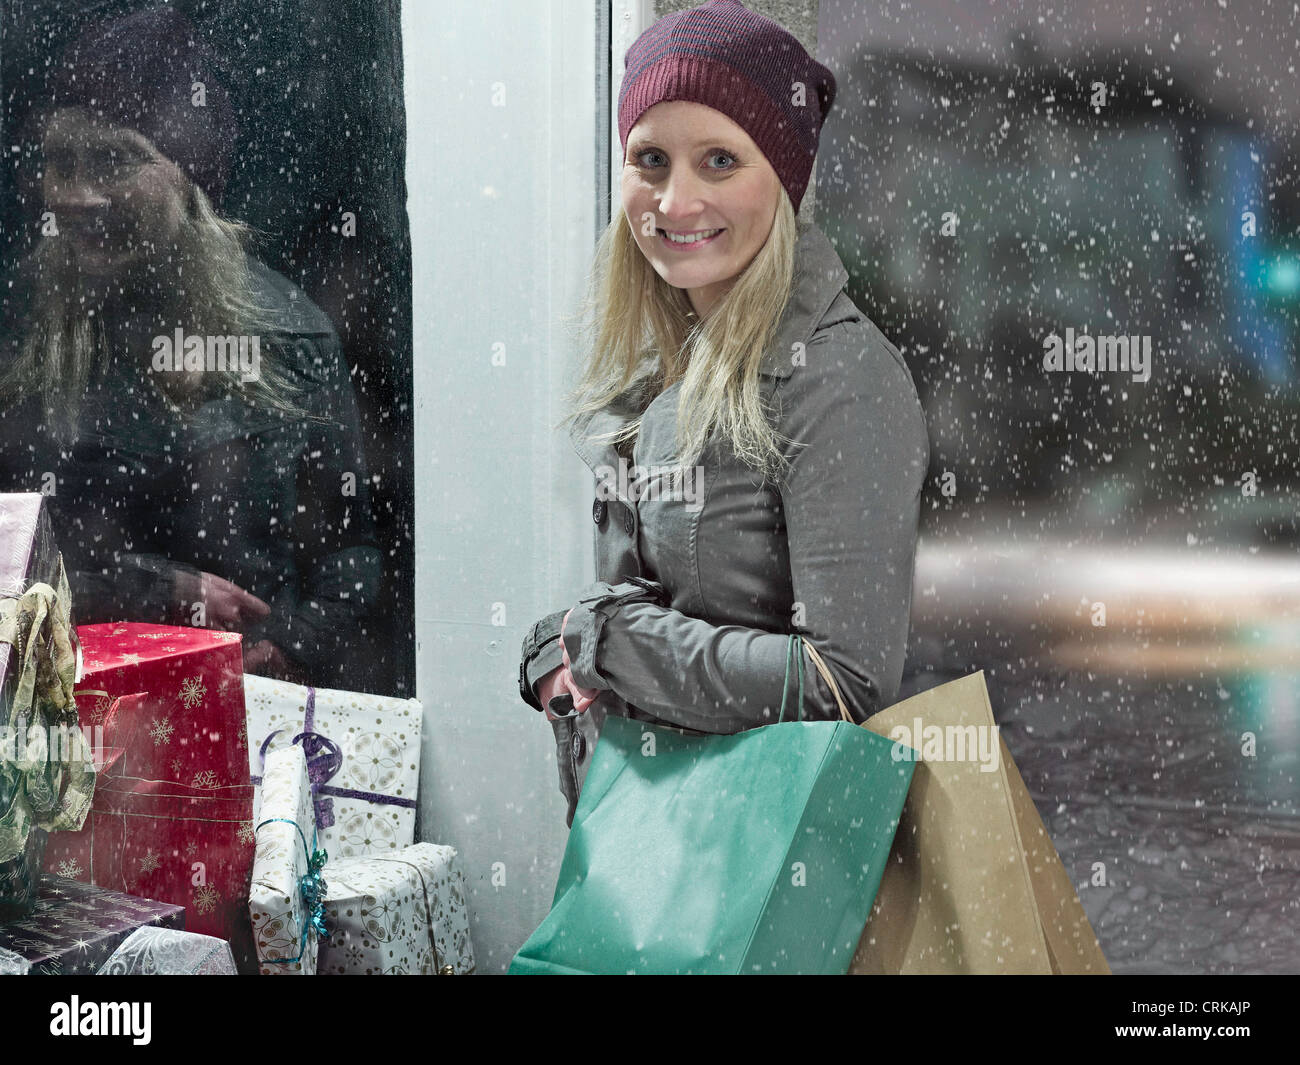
(206,899)
(131,659)
(70,869)
(246,832)
(161,732)
(102,705)
(204,778)
(192,692)
(230,636)
(176,766)
(148,863)
(191,849)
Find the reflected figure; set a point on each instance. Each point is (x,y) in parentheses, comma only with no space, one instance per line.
(187,409)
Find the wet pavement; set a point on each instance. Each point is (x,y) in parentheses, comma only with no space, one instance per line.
(1173,802)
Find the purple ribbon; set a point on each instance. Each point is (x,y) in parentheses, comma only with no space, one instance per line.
(324,760)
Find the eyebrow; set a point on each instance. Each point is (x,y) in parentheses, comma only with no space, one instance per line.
(644,141)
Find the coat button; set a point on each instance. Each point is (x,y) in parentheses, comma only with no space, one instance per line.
(579,746)
(598,512)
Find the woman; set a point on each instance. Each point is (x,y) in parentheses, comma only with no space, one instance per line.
(721,335)
(187,409)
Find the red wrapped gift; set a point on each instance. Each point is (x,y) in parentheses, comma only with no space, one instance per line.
(192,847)
(192,728)
(173,819)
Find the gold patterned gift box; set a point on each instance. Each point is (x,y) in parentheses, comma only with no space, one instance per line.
(405,914)
(363,759)
(280,897)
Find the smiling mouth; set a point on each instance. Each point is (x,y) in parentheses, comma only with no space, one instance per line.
(698,236)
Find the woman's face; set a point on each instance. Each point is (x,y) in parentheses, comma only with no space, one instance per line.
(116,199)
(691,171)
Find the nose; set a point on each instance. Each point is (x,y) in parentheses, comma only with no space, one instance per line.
(73,192)
(680,198)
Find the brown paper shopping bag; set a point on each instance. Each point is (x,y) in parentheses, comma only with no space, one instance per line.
(973,884)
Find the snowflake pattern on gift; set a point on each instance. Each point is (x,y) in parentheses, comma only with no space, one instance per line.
(192,692)
(204,778)
(131,659)
(206,899)
(177,764)
(100,709)
(149,863)
(229,637)
(191,848)
(70,869)
(162,732)
(246,832)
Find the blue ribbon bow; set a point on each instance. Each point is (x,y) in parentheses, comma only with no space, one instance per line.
(312,886)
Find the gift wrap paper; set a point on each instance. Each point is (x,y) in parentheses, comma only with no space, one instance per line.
(38,664)
(185,845)
(153,951)
(173,818)
(401,915)
(275,901)
(190,727)
(363,760)
(76,927)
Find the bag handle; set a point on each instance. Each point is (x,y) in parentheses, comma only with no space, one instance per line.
(790,647)
(822,668)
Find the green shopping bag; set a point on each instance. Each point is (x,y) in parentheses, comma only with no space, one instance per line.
(759,852)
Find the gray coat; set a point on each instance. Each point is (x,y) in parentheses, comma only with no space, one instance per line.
(699,588)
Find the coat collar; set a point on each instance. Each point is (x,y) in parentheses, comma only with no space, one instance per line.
(819,277)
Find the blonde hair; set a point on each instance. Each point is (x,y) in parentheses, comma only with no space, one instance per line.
(630,313)
(62,350)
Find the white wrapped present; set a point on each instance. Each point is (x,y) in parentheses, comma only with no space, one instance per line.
(286,869)
(153,951)
(400,915)
(363,759)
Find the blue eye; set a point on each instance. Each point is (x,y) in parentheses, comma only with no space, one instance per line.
(649,151)
(722,155)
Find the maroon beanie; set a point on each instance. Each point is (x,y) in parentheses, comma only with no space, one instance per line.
(740,63)
(139,71)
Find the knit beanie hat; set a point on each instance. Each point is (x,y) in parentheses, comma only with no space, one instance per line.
(139,71)
(738,62)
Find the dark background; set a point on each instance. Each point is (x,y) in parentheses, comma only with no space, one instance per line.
(317,91)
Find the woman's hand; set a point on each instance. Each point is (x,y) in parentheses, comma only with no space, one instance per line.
(582,697)
(560,680)
(225,605)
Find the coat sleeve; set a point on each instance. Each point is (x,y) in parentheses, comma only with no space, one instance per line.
(851,499)
(338,558)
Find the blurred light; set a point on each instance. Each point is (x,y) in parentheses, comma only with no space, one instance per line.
(1282,276)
